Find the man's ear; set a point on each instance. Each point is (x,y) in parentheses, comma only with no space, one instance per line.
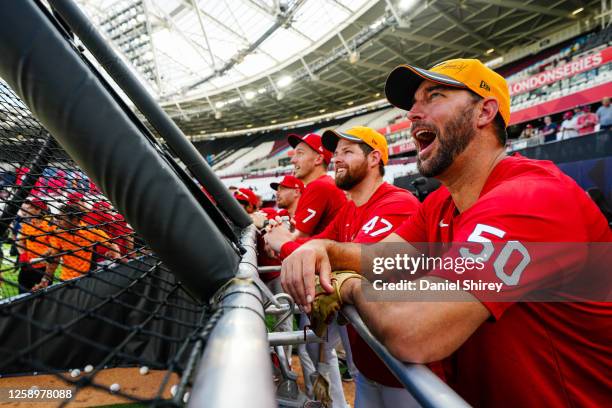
(374,158)
(319,160)
(489,110)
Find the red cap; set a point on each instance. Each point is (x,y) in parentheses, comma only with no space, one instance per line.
(314,141)
(38,203)
(568,115)
(270,212)
(102,205)
(529,126)
(75,197)
(246,194)
(289,182)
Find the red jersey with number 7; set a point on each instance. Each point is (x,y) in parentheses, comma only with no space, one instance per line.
(545,354)
(371,222)
(318,205)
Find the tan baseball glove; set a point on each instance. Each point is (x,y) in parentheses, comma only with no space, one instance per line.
(326,305)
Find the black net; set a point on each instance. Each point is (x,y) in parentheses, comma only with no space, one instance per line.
(85,305)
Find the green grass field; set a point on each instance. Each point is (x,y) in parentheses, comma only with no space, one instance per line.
(10,274)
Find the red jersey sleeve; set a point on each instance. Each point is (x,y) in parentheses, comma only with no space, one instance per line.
(330,232)
(311,208)
(414,229)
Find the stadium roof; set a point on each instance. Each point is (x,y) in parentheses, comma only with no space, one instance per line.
(233,66)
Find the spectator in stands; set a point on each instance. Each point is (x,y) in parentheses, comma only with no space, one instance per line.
(106,218)
(528,132)
(288,193)
(604,114)
(568,126)
(549,131)
(33,245)
(77,199)
(73,243)
(248,199)
(587,121)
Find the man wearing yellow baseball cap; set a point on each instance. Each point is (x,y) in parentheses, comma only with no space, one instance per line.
(494,207)
(376,208)
(471,74)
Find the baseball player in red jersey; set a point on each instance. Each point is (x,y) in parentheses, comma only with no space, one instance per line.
(375,210)
(288,193)
(321,199)
(511,353)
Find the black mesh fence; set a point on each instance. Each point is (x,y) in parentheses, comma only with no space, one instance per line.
(82,298)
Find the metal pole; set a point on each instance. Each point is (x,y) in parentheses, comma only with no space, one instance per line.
(424,385)
(128,82)
(235,370)
(293,338)
(269,269)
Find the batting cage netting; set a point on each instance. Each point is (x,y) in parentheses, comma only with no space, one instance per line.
(90,312)
(128,272)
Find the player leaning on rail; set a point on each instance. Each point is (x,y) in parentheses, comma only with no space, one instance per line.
(496,353)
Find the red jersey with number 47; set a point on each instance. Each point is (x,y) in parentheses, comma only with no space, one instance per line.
(544,354)
(318,205)
(388,208)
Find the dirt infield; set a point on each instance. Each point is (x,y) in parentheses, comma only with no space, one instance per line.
(130,380)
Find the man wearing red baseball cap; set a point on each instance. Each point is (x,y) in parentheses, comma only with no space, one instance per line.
(375,210)
(321,199)
(247,198)
(288,193)
(33,244)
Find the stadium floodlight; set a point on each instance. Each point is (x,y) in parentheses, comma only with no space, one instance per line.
(219,104)
(490,51)
(578,10)
(280,95)
(284,81)
(218,115)
(354,57)
(249,95)
(406,4)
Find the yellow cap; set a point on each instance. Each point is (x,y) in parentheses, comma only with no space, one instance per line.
(357,134)
(471,74)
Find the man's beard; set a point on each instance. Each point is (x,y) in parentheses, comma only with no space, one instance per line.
(457,135)
(352,177)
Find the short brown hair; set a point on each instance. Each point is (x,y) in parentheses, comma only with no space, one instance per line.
(367,149)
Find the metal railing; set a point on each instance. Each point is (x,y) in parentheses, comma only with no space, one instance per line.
(235,370)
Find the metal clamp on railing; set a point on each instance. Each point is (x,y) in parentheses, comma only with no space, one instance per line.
(237,351)
(293,337)
(269,269)
(425,386)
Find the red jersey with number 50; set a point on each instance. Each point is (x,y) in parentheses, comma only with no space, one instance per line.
(545,354)
(388,208)
(318,205)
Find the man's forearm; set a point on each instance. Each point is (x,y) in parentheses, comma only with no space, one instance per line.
(344,255)
(419,331)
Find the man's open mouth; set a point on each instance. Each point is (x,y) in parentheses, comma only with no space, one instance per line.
(424,139)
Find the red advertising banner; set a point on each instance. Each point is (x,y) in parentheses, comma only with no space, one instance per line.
(570,69)
(564,103)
